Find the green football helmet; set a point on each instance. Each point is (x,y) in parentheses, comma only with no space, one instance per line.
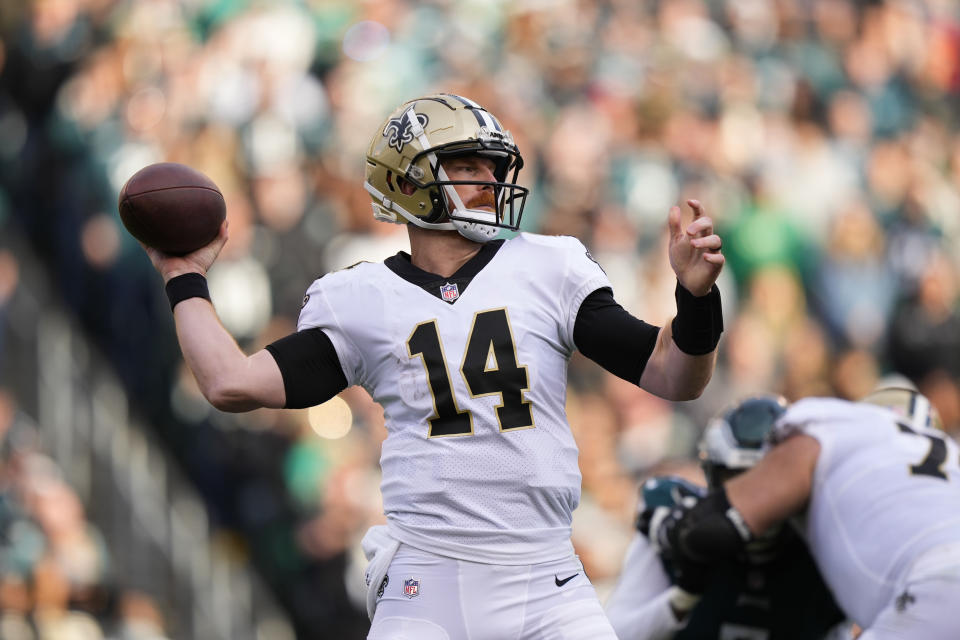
(736,439)
(410,146)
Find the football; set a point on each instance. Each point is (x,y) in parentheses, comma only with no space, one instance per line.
(171,207)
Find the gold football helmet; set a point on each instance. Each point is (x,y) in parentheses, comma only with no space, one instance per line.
(410,146)
(902,397)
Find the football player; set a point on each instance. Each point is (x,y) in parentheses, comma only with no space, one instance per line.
(464,341)
(877,484)
(772,590)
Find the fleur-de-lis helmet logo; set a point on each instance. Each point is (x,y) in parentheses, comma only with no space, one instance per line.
(398,133)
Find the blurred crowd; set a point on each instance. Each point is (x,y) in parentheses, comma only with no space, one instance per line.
(56,582)
(820,134)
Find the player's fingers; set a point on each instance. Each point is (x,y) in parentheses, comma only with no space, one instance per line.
(155,256)
(710,243)
(221,239)
(673,220)
(700,227)
(697,208)
(714,257)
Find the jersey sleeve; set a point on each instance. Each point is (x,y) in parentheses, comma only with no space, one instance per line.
(581,277)
(319,311)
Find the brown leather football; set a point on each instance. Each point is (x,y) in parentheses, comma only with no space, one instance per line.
(171,207)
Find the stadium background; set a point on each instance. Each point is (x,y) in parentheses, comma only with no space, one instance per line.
(820,134)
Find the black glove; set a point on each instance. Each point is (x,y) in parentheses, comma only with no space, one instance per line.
(688,574)
(660,525)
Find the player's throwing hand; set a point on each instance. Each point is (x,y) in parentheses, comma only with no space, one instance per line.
(198,261)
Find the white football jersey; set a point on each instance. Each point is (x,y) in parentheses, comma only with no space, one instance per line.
(479,462)
(882,494)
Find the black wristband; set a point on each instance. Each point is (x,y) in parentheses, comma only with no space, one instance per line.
(699,321)
(188,285)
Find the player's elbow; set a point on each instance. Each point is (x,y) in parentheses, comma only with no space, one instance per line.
(245,385)
(683,395)
(226,395)
(694,388)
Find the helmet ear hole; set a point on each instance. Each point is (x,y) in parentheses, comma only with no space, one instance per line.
(406,188)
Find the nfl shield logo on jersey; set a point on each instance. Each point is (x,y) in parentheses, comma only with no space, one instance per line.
(411,587)
(449,292)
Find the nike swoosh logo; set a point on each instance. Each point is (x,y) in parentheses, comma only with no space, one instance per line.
(560,582)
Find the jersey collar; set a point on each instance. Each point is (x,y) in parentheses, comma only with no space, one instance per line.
(436,285)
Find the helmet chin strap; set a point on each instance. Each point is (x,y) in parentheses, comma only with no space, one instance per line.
(477,229)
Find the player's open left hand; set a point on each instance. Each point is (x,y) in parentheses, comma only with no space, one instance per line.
(198,261)
(694,249)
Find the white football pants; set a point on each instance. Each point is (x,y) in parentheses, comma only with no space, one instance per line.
(431,597)
(929,601)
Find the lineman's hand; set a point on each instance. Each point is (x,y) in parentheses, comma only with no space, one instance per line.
(660,525)
(694,250)
(199,261)
(689,574)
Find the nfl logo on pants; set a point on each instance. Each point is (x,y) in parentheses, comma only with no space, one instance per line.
(411,587)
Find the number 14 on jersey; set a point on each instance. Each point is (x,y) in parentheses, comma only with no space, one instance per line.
(490,342)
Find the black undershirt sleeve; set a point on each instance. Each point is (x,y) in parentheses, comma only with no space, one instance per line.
(310,367)
(606,333)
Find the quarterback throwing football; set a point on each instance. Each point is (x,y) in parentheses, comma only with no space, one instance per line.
(464,342)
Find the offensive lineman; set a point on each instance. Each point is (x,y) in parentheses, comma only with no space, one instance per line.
(773,591)
(465,343)
(878,488)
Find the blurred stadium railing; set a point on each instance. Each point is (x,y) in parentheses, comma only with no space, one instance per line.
(155,528)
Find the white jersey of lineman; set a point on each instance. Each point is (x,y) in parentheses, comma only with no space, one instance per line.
(882,494)
(479,462)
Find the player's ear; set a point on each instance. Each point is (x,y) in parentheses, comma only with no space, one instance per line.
(406,188)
